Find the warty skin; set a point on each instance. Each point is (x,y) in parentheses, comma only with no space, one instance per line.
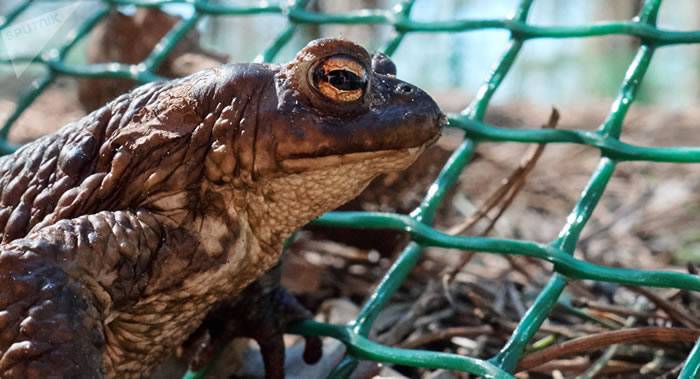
(124,233)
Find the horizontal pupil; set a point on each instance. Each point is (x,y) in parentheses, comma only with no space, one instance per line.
(344,80)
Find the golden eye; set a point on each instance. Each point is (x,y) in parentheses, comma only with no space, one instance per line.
(340,78)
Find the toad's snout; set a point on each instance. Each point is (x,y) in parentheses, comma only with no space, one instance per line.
(422,120)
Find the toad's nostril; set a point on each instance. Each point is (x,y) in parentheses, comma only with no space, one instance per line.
(443,120)
(404,89)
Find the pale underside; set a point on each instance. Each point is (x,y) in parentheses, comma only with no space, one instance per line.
(143,334)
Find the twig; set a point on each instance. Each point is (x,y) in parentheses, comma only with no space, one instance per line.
(674,312)
(515,299)
(513,183)
(618,310)
(470,331)
(635,206)
(610,352)
(503,195)
(578,365)
(447,333)
(402,327)
(645,335)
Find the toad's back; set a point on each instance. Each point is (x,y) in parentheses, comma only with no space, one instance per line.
(65,285)
(55,176)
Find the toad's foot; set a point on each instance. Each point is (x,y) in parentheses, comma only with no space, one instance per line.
(261,312)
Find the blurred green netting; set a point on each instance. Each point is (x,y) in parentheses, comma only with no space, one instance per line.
(559,252)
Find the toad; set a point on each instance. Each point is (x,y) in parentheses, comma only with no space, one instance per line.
(145,225)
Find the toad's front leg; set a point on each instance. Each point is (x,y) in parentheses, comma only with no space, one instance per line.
(58,286)
(261,312)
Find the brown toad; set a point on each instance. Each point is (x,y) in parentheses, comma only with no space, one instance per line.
(124,233)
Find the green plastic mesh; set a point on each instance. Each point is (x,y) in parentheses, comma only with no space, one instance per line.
(559,252)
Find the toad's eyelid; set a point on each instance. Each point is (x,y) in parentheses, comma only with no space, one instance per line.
(344,63)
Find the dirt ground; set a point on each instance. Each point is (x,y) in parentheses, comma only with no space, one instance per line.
(648,218)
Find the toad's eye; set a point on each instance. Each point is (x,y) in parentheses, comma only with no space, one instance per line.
(340,78)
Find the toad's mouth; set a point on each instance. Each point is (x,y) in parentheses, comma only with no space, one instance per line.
(406,156)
